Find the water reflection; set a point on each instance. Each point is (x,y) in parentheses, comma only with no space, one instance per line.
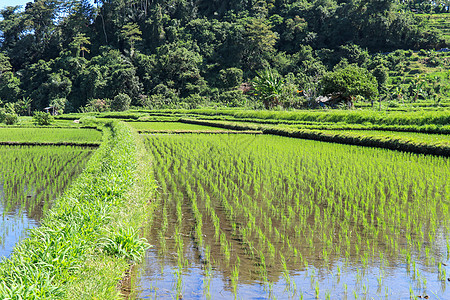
(30,179)
(284,218)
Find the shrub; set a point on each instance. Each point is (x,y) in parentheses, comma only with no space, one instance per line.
(96,105)
(11,119)
(42,118)
(231,77)
(2,115)
(121,102)
(232,98)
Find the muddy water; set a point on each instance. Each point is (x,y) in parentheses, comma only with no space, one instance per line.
(401,261)
(30,179)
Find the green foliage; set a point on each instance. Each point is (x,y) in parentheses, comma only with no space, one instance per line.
(96,105)
(79,44)
(2,114)
(121,102)
(10,119)
(131,34)
(268,86)
(42,118)
(231,77)
(125,243)
(48,52)
(349,82)
(234,98)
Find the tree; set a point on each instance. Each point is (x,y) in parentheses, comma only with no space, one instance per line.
(79,43)
(268,86)
(131,34)
(231,77)
(121,102)
(258,42)
(349,82)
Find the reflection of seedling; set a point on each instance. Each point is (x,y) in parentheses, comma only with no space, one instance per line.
(317,290)
(268,198)
(235,277)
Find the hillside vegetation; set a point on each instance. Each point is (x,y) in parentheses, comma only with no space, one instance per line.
(76,56)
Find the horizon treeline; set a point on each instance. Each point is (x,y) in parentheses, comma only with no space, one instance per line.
(180,53)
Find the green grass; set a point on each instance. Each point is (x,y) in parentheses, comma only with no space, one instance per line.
(50,135)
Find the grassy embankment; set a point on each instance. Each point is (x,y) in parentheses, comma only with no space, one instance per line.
(91,235)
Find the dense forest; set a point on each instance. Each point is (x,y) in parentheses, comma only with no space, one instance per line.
(75,55)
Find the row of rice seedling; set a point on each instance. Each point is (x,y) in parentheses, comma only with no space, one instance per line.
(395,140)
(90,236)
(50,135)
(414,137)
(436,117)
(280,217)
(30,178)
(230,122)
(409,142)
(170,126)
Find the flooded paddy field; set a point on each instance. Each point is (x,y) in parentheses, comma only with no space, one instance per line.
(50,135)
(171,126)
(257,217)
(30,179)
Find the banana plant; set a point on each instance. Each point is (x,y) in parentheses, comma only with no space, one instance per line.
(268,87)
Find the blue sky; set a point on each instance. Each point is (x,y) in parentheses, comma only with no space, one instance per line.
(4,3)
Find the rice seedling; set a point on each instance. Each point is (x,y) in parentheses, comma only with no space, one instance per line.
(337,209)
(170,126)
(30,179)
(50,135)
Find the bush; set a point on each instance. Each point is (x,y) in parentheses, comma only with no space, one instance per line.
(121,102)
(231,77)
(96,105)
(2,114)
(11,119)
(232,98)
(42,118)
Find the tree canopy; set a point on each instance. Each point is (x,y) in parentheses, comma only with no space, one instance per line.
(161,53)
(349,82)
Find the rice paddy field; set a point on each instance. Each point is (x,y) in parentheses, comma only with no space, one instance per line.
(30,179)
(442,139)
(170,126)
(50,135)
(257,217)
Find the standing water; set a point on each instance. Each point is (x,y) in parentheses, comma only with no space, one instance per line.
(30,179)
(260,217)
